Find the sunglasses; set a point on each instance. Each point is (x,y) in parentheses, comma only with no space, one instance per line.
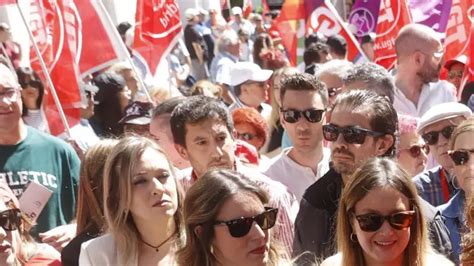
(372,222)
(431,138)
(460,157)
(333,91)
(312,115)
(241,226)
(245,136)
(454,74)
(416,150)
(352,135)
(10,219)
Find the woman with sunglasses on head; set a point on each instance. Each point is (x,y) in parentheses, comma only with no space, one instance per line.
(379,220)
(228,224)
(17,247)
(142,206)
(412,150)
(461,149)
(32,96)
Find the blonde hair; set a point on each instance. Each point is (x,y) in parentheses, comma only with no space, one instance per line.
(90,212)
(378,173)
(159,93)
(203,86)
(278,76)
(466,126)
(118,171)
(201,207)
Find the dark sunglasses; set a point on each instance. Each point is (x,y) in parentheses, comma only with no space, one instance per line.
(10,219)
(431,138)
(454,74)
(460,157)
(415,150)
(245,136)
(241,226)
(372,222)
(312,115)
(352,135)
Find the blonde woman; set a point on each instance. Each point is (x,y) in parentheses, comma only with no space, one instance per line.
(142,208)
(228,224)
(380,221)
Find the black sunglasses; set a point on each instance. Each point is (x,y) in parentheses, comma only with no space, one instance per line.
(454,74)
(245,136)
(241,226)
(431,138)
(312,115)
(372,222)
(352,135)
(10,219)
(415,150)
(460,157)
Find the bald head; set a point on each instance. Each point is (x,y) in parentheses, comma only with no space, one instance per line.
(415,37)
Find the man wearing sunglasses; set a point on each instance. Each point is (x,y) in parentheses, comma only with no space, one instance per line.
(331,74)
(28,154)
(437,185)
(304,101)
(362,125)
(203,134)
(419,57)
(249,83)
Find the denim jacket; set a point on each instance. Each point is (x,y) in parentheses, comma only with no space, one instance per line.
(453,215)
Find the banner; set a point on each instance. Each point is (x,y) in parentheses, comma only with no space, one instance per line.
(393,16)
(363,17)
(469,68)
(432,13)
(101,42)
(58,32)
(157,30)
(7,2)
(459,25)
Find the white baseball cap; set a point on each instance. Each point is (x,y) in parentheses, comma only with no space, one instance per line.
(190,13)
(236,10)
(441,112)
(244,71)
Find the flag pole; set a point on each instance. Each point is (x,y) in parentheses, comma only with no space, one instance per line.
(46,74)
(129,57)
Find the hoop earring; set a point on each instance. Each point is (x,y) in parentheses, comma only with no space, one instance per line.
(353,238)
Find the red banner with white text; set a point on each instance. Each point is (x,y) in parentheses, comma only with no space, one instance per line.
(158,27)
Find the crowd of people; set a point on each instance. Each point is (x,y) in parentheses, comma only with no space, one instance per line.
(242,159)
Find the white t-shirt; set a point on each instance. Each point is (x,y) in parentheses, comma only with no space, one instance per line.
(431,94)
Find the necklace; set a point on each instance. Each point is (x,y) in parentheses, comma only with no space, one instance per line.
(157,248)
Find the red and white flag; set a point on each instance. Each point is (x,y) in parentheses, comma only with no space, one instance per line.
(393,15)
(56,26)
(157,30)
(469,68)
(247,8)
(101,44)
(7,2)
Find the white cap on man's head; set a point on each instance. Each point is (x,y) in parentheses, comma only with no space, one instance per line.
(190,13)
(236,10)
(441,112)
(245,71)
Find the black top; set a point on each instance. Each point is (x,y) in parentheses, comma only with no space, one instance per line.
(192,35)
(70,253)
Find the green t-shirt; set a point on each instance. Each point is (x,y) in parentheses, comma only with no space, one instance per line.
(52,163)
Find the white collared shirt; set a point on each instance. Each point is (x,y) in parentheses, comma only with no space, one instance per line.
(295,176)
(431,94)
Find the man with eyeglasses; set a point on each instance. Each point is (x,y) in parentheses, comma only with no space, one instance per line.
(332,74)
(362,125)
(249,83)
(437,185)
(419,56)
(27,154)
(304,101)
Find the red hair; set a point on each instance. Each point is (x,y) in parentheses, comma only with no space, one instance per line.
(252,117)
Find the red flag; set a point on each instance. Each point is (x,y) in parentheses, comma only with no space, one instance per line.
(298,17)
(7,2)
(247,8)
(157,30)
(469,69)
(393,16)
(327,21)
(457,32)
(58,36)
(100,40)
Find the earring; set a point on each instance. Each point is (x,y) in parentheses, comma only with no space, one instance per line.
(353,238)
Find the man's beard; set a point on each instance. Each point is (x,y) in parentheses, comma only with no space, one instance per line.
(428,74)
